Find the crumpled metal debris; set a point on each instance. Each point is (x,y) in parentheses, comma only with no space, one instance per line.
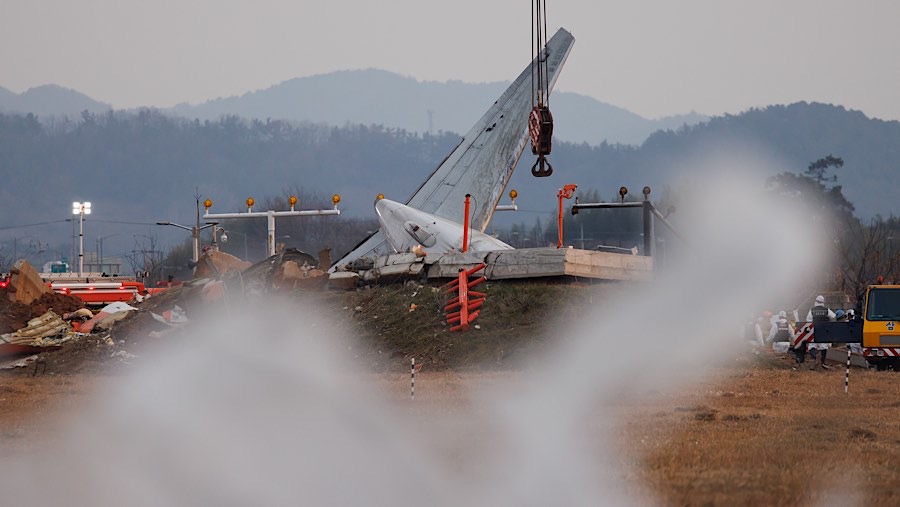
(106,317)
(287,270)
(18,363)
(173,317)
(47,325)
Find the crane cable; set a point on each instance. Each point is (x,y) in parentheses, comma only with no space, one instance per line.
(538,45)
(540,121)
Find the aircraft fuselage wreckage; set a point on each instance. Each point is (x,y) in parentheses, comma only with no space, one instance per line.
(480,165)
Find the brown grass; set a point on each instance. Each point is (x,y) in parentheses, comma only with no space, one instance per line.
(766,434)
(758,433)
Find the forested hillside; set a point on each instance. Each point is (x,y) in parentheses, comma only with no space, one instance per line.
(145,166)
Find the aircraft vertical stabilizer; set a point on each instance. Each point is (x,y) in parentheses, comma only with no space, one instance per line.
(483,162)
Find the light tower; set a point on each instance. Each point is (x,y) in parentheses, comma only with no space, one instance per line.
(81,209)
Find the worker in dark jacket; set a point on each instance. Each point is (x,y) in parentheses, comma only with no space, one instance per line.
(781,330)
(819,313)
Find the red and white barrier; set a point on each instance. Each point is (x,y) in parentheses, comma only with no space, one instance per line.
(803,334)
(880,352)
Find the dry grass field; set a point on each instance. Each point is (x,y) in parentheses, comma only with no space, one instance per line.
(765,434)
(754,433)
(757,432)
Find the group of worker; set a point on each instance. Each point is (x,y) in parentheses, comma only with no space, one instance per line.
(782,331)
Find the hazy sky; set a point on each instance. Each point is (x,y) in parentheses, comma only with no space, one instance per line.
(653,57)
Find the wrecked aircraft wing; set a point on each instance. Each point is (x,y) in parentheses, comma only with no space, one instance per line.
(483,162)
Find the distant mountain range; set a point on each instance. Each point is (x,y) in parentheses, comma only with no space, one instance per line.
(357,133)
(377,97)
(50,100)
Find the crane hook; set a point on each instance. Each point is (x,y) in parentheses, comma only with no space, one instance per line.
(541,172)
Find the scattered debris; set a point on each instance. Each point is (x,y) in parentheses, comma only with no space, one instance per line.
(292,275)
(325,257)
(395,267)
(17,363)
(343,280)
(212,290)
(25,284)
(214,263)
(106,317)
(286,270)
(47,325)
(173,317)
(77,318)
(15,315)
(79,314)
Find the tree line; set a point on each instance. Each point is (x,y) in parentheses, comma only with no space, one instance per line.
(145,165)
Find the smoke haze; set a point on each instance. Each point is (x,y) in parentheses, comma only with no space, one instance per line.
(245,413)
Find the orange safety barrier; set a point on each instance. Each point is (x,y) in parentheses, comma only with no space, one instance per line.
(463,309)
(100,293)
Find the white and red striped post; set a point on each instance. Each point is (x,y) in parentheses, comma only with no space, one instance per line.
(847,376)
(412,379)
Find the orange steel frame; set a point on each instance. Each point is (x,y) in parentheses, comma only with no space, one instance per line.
(467,300)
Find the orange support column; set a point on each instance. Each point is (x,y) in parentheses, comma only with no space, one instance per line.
(465,245)
(564,193)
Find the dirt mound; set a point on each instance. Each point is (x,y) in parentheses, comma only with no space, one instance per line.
(105,352)
(408,320)
(15,315)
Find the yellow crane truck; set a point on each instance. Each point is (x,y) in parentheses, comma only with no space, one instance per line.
(876,326)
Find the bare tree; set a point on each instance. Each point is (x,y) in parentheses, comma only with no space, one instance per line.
(867,252)
(146,257)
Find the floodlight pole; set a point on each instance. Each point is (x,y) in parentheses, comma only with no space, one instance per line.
(81,244)
(81,209)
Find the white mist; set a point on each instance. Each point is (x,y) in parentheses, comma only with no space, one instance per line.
(259,406)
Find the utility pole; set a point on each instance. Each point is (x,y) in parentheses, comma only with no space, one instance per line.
(195,235)
(195,230)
